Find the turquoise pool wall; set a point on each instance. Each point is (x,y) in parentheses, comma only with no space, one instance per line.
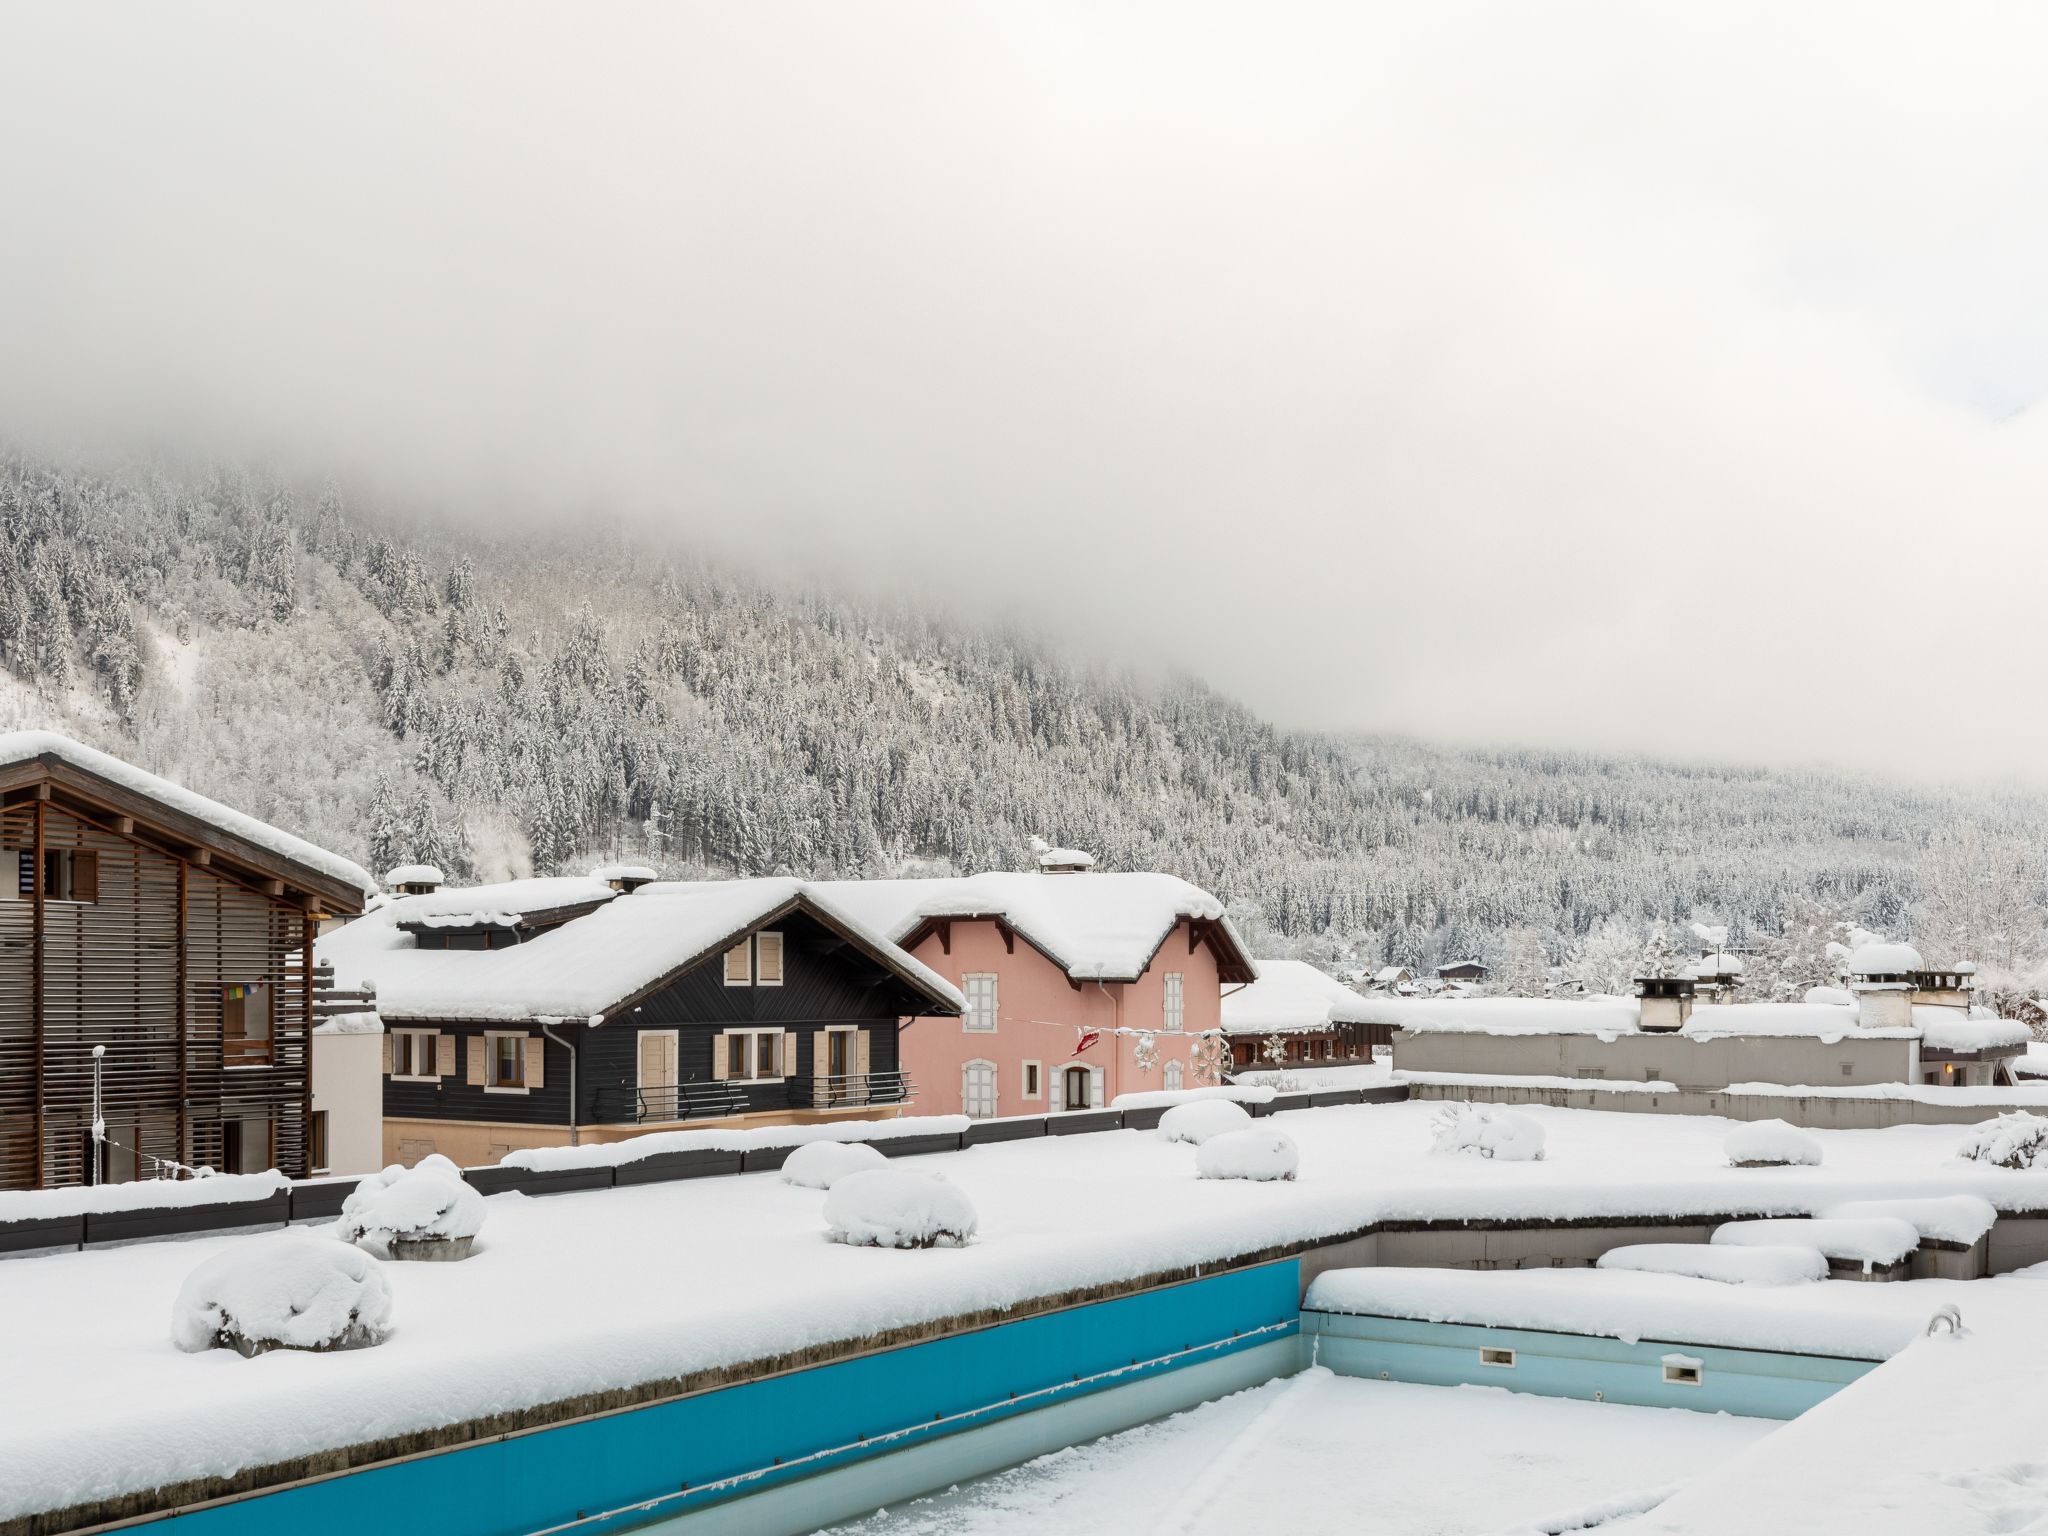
(631,1467)
(1756,1383)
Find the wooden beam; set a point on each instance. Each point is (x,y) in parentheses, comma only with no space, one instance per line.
(273,887)
(1194,935)
(43,791)
(125,825)
(306,984)
(1009,937)
(945,933)
(201,856)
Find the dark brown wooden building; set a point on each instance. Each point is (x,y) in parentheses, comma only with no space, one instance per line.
(172,931)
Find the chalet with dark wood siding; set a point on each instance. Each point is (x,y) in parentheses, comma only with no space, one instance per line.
(548,1012)
(172,931)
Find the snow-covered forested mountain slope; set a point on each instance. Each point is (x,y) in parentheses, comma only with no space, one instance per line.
(509,700)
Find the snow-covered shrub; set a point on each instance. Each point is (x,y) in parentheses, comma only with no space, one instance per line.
(898,1208)
(1200,1119)
(1489,1131)
(291,1290)
(1771,1144)
(821,1164)
(2010,1141)
(1259,1154)
(428,1211)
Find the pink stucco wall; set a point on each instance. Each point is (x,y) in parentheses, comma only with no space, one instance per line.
(1039,1015)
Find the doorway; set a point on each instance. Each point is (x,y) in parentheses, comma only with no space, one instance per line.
(978,1090)
(658,1074)
(1074,1088)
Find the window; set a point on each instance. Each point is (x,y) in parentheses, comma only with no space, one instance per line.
(1176,995)
(246,1018)
(1504,1358)
(753,1055)
(319,1135)
(69,874)
(755,962)
(979,988)
(245,1146)
(1682,1371)
(1848,1069)
(1176,1076)
(1592,1072)
(505,1063)
(1034,1080)
(412,1055)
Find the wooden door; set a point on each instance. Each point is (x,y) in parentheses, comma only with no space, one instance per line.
(658,1074)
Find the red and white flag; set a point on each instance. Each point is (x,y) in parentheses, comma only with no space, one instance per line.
(1088,1038)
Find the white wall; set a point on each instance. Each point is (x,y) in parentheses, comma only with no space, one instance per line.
(348,1084)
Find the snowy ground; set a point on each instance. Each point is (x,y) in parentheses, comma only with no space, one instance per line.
(1318,1453)
(746,1262)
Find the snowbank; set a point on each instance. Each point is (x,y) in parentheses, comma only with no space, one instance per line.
(289,1290)
(821,1164)
(898,1208)
(2010,1141)
(1260,1155)
(428,1202)
(1203,1119)
(1942,1218)
(1866,1240)
(1788,1265)
(1532,1080)
(1237,1093)
(1489,1131)
(736,1139)
(139,1195)
(1771,1143)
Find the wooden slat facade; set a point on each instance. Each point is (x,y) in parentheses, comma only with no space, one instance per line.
(140,968)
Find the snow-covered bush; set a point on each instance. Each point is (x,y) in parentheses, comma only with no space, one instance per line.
(2010,1141)
(1771,1144)
(428,1211)
(1202,1118)
(821,1164)
(1487,1130)
(898,1208)
(290,1290)
(1259,1154)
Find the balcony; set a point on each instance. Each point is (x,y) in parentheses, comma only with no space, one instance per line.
(710,1101)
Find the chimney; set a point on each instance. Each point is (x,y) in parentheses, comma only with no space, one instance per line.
(1884,977)
(1666,1002)
(1064,861)
(624,878)
(414,880)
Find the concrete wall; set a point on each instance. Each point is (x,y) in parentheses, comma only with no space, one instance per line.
(1680,1059)
(1815,1111)
(348,1087)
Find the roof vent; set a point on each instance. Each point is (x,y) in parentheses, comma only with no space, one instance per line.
(1060,861)
(415,880)
(624,878)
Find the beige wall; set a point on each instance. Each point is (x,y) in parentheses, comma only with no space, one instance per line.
(348,1087)
(1680,1059)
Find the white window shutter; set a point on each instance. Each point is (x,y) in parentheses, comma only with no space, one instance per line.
(536,1062)
(860,1052)
(444,1055)
(1095,1087)
(720,1058)
(786,1067)
(478,1049)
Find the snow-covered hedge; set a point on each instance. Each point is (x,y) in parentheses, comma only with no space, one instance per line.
(1204,1118)
(737,1139)
(2010,1141)
(289,1290)
(898,1208)
(1487,1130)
(1258,1154)
(1154,1098)
(1771,1144)
(1772,1264)
(821,1164)
(427,1203)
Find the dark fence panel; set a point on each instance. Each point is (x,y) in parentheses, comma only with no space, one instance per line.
(984,1131)
(42,1232)
(913,1146)
(664,1166)
(321,1200)
(1081,1121)
(180,1220)
(529,1181)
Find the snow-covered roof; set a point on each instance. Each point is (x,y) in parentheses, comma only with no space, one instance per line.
(1292,995)
(1612,1016)
(1821,1021)
(611,872)
(1949,1029)
(1391,973)
(591,964)
(1880,959)
(350,1024)
(415,874)
(1095,927)
(25,746)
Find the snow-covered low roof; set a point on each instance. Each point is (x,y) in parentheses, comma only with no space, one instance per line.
(25,746)
(1094,926)
(1292,995)
(595,962)
(1949,1029)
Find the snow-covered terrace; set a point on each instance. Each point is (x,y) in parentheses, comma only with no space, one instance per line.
(668,1279)
(1611,1017)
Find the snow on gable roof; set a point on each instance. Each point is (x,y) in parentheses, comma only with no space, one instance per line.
(25,746)
(357,950)
(1095,927)
(1292,995)
(595,963)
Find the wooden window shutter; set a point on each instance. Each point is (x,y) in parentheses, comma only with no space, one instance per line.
(444,1055)
(739,964)
(768,959)
(719,1059)
(387,1054)
(860,1053)
(85,876)
(536,1062)
(787,1066)
(477,1052)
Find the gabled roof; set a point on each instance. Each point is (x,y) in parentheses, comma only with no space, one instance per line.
(594,964)
(85,775)
(1093,926)
(1292,996)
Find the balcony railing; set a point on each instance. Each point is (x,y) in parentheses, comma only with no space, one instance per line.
(684,1101)
(699,1101)
(851,1090)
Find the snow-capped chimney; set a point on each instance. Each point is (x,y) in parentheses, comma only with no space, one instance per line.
(1666,1002)
(414,880)
(1060,861)
(624,878)
(1883,978)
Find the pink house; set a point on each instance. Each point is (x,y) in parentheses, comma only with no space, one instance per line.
(1080,986)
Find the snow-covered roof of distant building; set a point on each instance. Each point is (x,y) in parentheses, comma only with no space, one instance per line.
(1094,926)
(357,950)
(1880,959)
(611,872)
(1292,995)
(1612,1016)
(1950,1029)
(1391,973)
(1065,858)
(25,746)
(1708,966)
(596,962)
(415,874)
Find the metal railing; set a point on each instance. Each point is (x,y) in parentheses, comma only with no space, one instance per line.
(683,1101)
(851,1089)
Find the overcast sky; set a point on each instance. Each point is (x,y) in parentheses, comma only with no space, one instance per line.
(1633,375)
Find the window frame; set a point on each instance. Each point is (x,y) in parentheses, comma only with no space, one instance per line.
(55,886)
(727,1037)
(318,1153)
(1173,1001)
(416,1036)
(1032,1079)
(235,1052)
(971,984)
(494,1041)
